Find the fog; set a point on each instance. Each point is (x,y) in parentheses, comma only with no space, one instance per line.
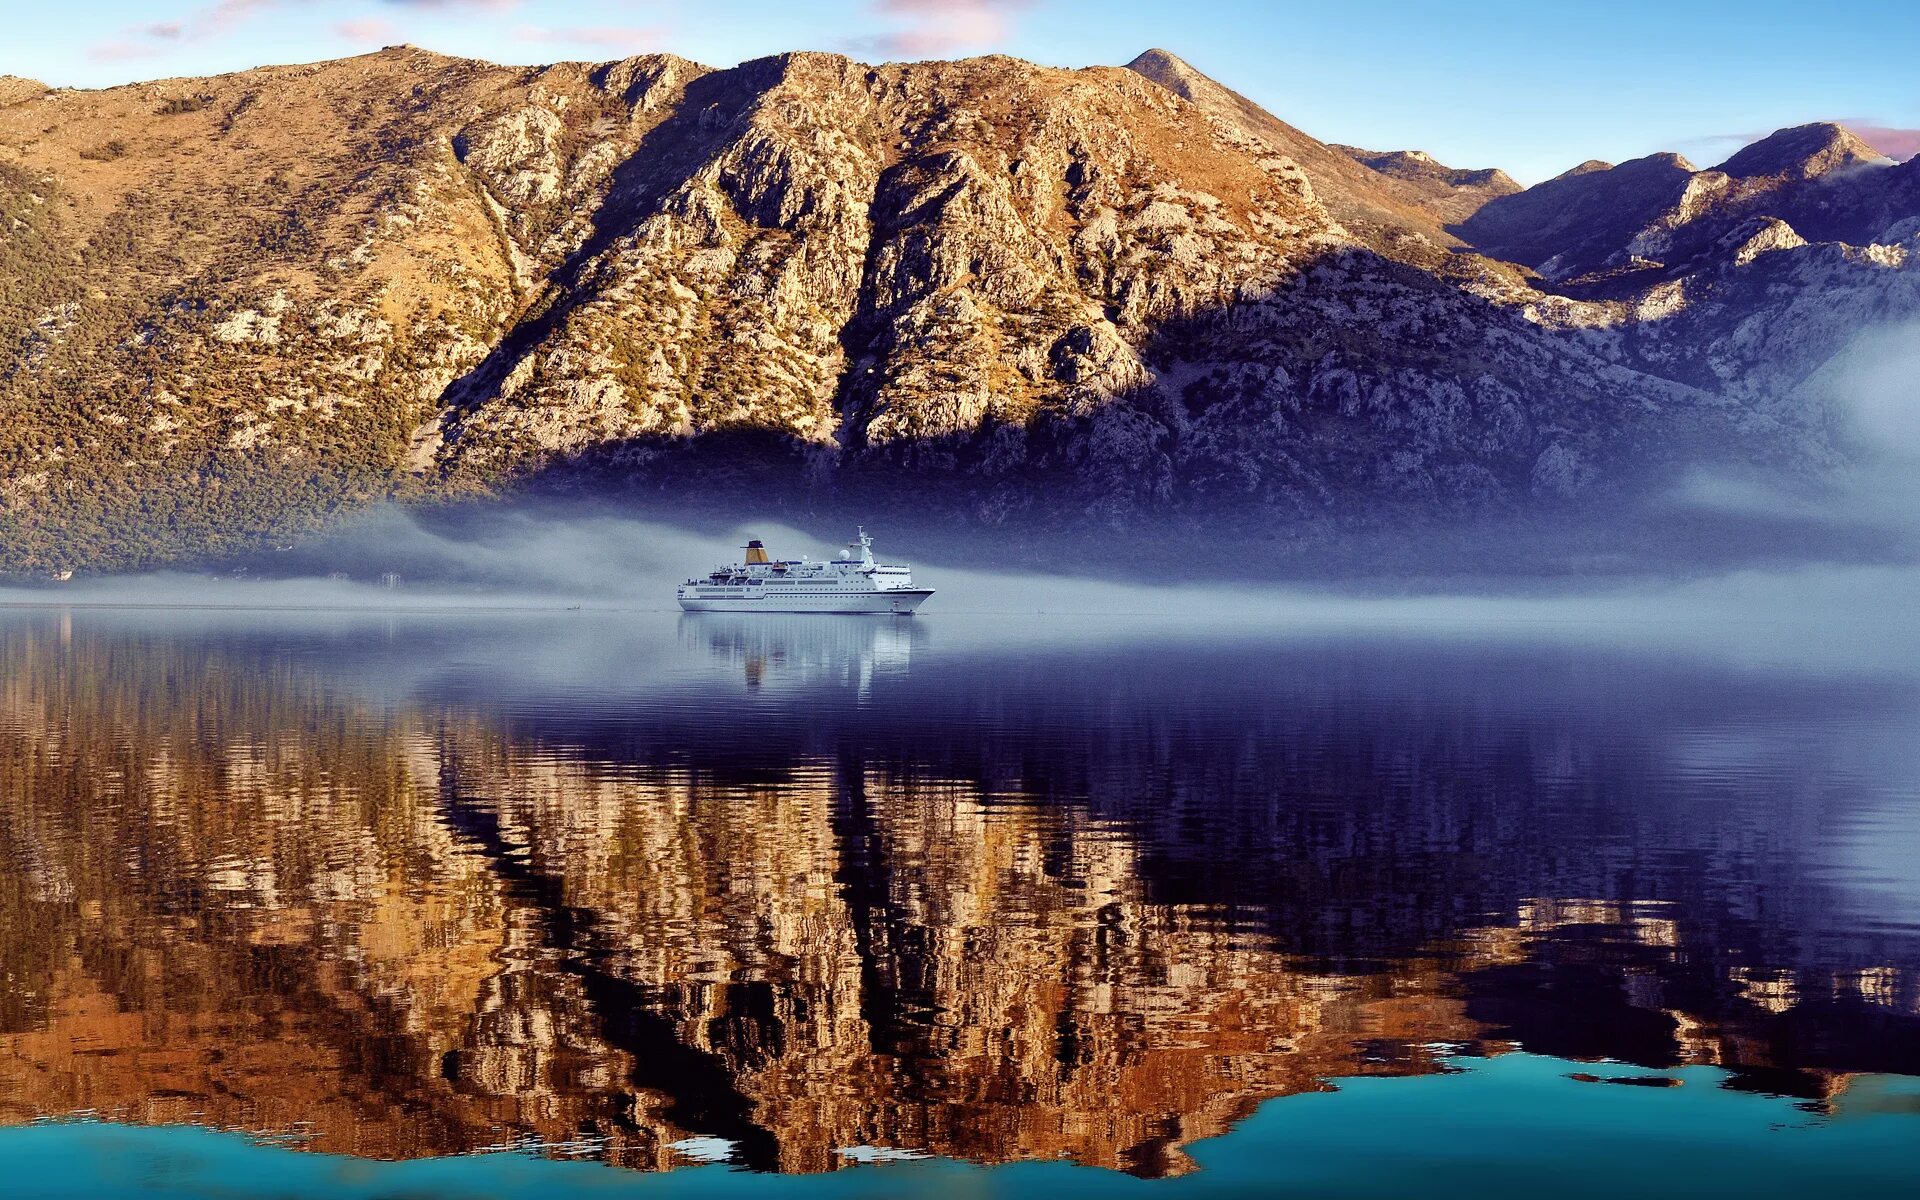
(1841,615)
(1814,595)
(1874,385)
(1871,391)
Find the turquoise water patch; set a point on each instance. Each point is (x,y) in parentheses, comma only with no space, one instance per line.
(1510,1126)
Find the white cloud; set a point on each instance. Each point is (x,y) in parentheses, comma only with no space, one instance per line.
(932,28)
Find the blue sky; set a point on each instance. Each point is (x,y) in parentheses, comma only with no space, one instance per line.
(1533,87)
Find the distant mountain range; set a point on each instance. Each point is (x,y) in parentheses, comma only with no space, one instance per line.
(234,309)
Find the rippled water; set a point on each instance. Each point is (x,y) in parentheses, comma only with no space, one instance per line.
(800,894)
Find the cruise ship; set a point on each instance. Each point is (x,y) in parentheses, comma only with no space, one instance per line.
(852,583)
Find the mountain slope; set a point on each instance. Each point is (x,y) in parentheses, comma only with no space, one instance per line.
(14,89)
(1801,152)
(1143,318)
(1449,193)
(1377,207)
(227,303)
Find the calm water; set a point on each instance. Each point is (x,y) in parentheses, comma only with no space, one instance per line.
(1048,904)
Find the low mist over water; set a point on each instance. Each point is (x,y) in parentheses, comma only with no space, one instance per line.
(1811,611)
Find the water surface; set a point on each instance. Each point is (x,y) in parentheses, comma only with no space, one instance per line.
(615,894)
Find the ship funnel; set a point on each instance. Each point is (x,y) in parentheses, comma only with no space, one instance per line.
(756,553)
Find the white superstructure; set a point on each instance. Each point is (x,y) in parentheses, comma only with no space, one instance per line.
(852,583)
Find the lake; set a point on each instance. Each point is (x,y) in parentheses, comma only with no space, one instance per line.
(379,903)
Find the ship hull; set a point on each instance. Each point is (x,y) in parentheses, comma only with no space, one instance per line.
(896,601)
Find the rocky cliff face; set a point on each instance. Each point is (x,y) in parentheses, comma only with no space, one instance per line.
(233,308)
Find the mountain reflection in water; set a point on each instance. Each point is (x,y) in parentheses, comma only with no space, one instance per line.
(645,889)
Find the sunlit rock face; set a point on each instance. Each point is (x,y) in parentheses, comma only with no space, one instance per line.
(233,309)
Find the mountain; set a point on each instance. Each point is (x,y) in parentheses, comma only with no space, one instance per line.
(1661,213)
(1584,217)
(1450,193)
(1802,152)
(1381,208)
(235,309)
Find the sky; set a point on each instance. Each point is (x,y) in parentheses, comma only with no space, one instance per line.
(1533,87)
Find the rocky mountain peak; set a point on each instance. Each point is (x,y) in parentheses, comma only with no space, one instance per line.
(396,52)
(1418,165)
(1586,168)
(1756,236)
(1602,230)
(1579,219)
(633,79)
(1801,152)
(1171,71)
(1666,160)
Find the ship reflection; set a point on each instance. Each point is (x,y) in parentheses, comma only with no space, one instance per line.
(801,650)
(1015,906)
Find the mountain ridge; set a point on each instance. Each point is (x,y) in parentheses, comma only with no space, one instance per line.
(1451,193)
(1652,217)
(238,308)
(1374,205)
(1801,151)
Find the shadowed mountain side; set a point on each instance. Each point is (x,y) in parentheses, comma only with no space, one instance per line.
(1356,384)
(1580,217)
(1360,418)
(1619,229)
